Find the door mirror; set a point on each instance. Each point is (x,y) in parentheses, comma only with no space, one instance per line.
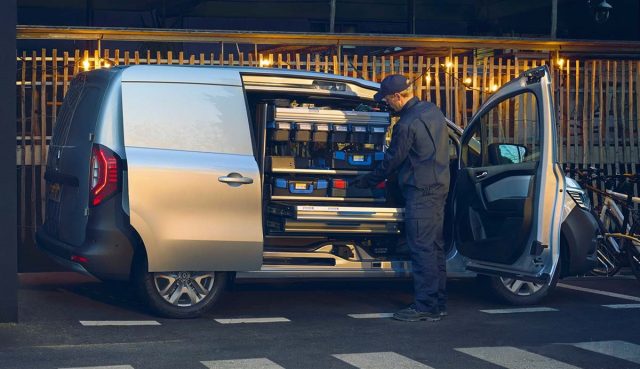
(503,153)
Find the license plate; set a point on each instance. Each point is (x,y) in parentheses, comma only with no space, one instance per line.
(358,158)
(301,186)
(53,192)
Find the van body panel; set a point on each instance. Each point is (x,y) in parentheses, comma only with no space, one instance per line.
(183,141)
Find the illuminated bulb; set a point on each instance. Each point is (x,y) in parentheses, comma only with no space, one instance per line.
(468,81)
(265,63)
(107,65)
(428,78)
(86,64)
(449,65)
(560,62)
(494,88)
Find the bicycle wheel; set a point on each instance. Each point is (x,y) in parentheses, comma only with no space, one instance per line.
(608,250)
(633,250)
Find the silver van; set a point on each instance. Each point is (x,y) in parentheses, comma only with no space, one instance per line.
(182,178)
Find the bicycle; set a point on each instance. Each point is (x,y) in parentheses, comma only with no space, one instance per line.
(619,241)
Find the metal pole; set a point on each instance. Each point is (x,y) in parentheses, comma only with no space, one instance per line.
(8,185)
(332,18)
(411,16)
(554,18)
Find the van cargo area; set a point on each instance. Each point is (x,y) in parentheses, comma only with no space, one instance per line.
(309,149)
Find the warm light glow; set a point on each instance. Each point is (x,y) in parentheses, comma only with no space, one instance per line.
(86,64)
(265,63)
(494,88)
(107,65)
(468,81)
(428,78)
(449,65)
(560,62)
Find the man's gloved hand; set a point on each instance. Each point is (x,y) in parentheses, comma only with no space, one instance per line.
(360,182)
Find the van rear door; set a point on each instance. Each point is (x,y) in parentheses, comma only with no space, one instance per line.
(193,180)
(69,158)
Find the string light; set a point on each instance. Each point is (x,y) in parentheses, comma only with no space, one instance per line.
(449,65)
(494,88)
(265,63)
(107,65)
(428,78)
(86,64)
(560,62)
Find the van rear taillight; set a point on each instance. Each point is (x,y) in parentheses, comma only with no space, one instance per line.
(104,176)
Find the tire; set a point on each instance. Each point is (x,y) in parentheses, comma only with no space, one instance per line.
(517,292)
(633,251)
(180,295)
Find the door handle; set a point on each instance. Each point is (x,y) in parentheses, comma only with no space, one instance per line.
(235,179)
(481,175)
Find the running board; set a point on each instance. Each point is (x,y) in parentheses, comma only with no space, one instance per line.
(544,278)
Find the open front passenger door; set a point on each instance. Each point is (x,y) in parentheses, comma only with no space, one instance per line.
(508,195)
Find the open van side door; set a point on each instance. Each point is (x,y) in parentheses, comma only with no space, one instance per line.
(509,188)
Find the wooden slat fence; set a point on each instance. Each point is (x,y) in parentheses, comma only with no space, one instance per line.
(597,101)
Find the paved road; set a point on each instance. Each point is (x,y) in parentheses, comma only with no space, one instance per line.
(68,321)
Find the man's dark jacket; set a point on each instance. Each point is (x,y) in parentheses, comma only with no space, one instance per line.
(419,150)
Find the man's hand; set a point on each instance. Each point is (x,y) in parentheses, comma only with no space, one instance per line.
(360,182)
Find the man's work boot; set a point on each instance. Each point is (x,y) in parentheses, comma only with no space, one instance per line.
(410,314)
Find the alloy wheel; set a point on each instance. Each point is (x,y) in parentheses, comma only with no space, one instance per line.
(520,287)
(183,289)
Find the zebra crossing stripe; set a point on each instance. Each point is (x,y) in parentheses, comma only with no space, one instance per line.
(119,323)
(252,320)
(371,316)
(618,349)
(380,360)
(623,306)
(260,363)
(104,367)
(518,310)
(513,358)
(598,292)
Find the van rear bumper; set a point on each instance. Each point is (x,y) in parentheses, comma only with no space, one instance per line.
(108,246)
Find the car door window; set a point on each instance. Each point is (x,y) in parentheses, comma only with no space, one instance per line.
(507,134)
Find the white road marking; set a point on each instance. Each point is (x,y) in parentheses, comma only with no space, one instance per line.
(102,323)
(514,358)
(618,349)
(598,292)
(252,320)
(104,367)
(623,306)
(243,363)
(371,316)
(518,310)
(380,360)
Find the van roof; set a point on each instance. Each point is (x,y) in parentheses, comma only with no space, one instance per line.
(223,75)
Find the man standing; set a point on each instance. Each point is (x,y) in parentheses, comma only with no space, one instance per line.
(419,153)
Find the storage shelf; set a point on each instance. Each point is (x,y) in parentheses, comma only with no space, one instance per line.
(320,171)
(334,199)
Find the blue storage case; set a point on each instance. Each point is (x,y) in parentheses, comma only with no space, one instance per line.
(356,160)
(300,187)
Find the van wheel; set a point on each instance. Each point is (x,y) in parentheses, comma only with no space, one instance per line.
(519,292)
(181,294)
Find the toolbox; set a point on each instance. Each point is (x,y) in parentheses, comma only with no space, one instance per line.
(302,132)
(299,187)
(279,131)
(377,135)
(358,160)
(359,134)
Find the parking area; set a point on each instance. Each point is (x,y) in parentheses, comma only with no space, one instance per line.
(70,321)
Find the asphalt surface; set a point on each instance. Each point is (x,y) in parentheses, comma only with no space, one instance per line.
(60,315)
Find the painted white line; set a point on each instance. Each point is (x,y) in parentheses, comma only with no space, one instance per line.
(252,320)
(618,349)
(518,310)
(598,292)
(371,316)
(380,360)
(244,363)
(623,306)
(513,358)
(104,367)
(119,323)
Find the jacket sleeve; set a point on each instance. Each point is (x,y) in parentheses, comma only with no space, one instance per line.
(401,142)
